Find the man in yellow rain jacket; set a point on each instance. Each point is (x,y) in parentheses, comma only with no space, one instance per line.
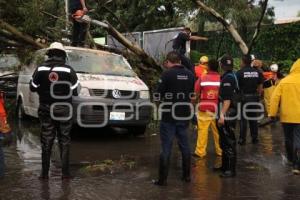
(287,95)
(269,84)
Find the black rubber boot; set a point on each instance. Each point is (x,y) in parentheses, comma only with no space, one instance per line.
(186,169)
(64,153)
(230,168)
(45,164)
(162,172)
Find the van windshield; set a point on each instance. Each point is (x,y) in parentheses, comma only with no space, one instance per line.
(97,63)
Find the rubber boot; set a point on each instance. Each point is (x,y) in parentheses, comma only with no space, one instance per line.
(230,168)
(64,154)
(162,172)
(46,155)
(186,169)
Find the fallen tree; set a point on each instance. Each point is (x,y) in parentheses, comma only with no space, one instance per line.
(21,36)
(230,27)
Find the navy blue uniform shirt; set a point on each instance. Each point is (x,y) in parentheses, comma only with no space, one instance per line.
(249,79)
(176,85)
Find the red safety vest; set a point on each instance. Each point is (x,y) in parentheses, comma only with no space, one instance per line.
(209,97)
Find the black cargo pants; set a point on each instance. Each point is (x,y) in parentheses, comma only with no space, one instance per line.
(50,130)
(228,143)
(250,103)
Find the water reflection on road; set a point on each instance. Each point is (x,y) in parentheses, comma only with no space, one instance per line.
(261,172)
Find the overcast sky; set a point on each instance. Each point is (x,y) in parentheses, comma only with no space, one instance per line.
(285,9)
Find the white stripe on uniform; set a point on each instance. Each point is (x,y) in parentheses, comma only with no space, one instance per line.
(42,68)
(210,84)
(75,85)
(61,69)
(34,85)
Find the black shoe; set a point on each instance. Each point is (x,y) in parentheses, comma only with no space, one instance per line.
(241,142)
(255,141)
(159,183)
(227,174)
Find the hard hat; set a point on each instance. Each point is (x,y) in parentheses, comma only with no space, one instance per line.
(274,67)
(78,14)
(203,59)
(257,63)
(56,46)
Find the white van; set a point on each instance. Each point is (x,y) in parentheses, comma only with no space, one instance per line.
(110,91)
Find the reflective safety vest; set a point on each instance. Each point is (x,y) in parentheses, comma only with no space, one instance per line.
(200,70)
(209,97)
(4,126)
(270,79)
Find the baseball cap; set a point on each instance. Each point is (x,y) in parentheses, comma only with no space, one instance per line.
(226,60)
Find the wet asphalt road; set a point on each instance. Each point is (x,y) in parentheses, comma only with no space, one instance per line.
(261,172)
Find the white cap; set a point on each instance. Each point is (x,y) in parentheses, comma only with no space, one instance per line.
(252,57)
(274,67)
(58,46)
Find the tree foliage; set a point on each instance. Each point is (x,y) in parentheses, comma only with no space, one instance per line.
(29,18)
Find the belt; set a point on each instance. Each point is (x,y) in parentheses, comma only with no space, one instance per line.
(250,95)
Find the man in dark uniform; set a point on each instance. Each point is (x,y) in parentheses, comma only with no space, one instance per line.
(175,89)
(251,85)
(227,111)
(55,82)
(179,45)
(78,7)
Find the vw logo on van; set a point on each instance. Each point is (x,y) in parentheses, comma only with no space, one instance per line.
(116,94)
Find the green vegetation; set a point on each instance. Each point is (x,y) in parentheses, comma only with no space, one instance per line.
(276,43)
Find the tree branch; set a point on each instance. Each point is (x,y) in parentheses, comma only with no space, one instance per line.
(264,7)
(26,38)
(234,33)
(132,46)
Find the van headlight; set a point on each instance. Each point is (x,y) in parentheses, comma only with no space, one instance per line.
(144,94)
(84,92)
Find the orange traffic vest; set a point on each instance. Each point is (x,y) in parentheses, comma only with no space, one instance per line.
(209,98)
(270,75)
(270,79)
(4,127)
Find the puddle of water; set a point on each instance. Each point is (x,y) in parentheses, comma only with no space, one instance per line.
(260,172)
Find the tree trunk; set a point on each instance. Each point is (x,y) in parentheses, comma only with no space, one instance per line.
(234,33)
(264,7)
(132,46)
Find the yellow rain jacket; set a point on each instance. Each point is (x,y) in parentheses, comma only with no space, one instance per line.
(287,96)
